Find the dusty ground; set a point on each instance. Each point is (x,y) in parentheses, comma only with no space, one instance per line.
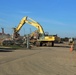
(56,60)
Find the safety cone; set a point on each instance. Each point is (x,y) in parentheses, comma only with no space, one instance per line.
(71,48)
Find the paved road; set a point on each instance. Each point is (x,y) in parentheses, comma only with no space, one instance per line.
(38,61)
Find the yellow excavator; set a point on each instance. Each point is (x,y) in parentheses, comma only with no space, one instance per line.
(42,38)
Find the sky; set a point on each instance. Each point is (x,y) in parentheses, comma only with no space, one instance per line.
(55,16)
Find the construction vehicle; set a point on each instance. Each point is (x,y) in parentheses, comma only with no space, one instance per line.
(57,39)
(71,40)
(41,39)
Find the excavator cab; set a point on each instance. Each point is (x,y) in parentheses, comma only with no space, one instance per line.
(46,33)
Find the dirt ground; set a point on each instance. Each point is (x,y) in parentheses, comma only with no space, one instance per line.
(56,60)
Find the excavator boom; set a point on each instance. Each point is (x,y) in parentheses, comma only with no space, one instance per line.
(35,24)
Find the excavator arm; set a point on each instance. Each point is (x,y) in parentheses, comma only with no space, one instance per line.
(28,21)
(22,22)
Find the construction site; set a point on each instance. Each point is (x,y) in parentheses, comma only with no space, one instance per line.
(37,53)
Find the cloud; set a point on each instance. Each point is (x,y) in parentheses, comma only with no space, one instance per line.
(2,20)
(59,23)
(25,12)
(52,22)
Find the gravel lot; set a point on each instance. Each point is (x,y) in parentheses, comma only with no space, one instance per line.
(56,60)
